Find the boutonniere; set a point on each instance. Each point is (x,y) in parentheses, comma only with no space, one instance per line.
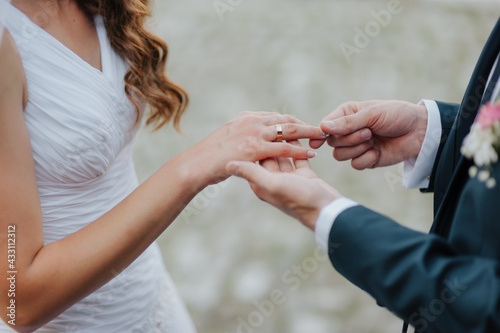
(482,144)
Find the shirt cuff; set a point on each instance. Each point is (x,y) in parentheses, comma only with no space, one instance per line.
(416,172)
(326,218)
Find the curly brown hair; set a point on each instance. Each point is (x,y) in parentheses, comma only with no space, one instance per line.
(146,54)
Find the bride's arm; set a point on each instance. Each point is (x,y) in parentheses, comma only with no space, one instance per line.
(51,278)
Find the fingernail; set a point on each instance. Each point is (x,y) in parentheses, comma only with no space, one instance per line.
(311,154)
(330,125)
(366,134)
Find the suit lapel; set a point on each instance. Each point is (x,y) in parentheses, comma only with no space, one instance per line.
(471,103)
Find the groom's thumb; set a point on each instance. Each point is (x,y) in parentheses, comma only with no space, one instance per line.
(249,171)
(347,124)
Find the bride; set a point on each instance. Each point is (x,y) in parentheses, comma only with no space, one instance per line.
(78,251)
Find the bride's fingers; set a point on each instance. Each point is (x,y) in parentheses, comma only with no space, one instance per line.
(297,131)
(270,164)
(294,132)
(280,164)
(285,164)
(275,149)
(300,163)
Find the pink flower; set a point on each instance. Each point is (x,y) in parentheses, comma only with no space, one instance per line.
(489,114)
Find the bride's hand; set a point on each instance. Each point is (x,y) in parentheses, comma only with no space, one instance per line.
(295,188)
(250,136)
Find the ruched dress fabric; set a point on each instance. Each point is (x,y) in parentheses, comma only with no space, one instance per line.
(81,126)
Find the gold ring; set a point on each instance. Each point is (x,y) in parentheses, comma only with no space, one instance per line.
(279,133)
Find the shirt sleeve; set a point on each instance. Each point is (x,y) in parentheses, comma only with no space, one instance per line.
(416,171)
(326,218)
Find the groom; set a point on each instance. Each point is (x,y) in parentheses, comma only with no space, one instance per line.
(447,281)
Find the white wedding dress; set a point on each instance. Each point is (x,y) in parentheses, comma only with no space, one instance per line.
(80,124)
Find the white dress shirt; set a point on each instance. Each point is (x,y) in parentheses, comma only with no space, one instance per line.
(415,175)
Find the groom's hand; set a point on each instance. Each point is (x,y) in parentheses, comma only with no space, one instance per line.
(294,189)
(375,133)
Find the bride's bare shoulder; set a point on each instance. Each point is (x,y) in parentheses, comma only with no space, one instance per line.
(12,76)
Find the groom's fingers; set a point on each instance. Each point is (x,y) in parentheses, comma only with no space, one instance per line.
(343,110)
(350,118)
(366,161)
(298,131)
(356,138)
(348,109)
(346,125)
(349,153)
(316,144)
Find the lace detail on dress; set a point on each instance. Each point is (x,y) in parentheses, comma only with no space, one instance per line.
(168,313)
(160,317)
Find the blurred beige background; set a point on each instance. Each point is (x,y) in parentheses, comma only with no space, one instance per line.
(228,251)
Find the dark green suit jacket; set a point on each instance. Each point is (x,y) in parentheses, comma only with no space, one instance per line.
(448,280)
